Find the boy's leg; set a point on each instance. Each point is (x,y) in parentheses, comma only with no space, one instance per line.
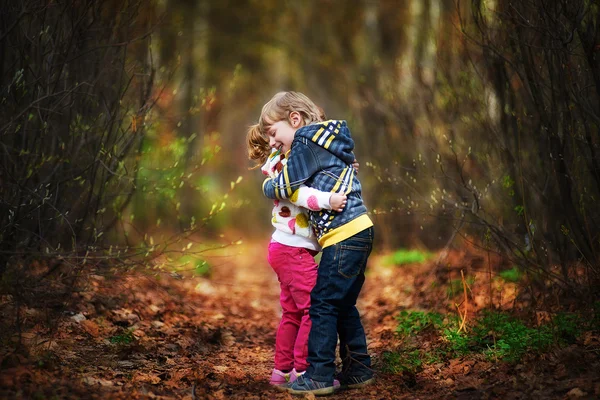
(339,281)
(304,269)
(356,361)
(353,342)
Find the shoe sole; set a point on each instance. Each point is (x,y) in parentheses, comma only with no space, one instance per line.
(280,386)
(361,384)
(316,392)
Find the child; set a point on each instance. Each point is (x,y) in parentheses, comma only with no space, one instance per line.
(321,157)
(291,255)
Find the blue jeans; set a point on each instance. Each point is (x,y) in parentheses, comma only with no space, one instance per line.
(333,312)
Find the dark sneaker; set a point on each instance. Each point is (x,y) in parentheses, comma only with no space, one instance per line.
(295,374)
(355,381)
(304,385)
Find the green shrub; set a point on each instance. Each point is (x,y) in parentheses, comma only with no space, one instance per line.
(567,327)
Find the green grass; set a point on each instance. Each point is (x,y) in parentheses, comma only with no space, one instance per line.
(126,337)
(404,256)
(511,275)
(202,268)
(495,335)
(413,322)
(501,336)
(403,361)
(195,264)
(456,286)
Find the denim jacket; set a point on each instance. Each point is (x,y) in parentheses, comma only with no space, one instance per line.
(321,157)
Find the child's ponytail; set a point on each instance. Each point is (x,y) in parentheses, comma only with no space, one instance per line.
(258,145)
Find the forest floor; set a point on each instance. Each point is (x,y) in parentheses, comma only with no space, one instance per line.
(139,335)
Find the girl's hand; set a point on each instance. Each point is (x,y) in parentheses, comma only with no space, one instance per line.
(337,201)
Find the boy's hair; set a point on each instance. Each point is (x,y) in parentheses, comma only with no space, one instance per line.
(278,109)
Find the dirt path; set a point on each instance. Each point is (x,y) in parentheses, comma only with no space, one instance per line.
(143,337)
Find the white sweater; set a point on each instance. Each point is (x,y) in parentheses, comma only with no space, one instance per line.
(290,216)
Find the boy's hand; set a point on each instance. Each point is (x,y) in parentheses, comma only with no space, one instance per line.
(355,165)
(337,201)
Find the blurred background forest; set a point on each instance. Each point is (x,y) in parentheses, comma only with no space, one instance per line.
(122,126)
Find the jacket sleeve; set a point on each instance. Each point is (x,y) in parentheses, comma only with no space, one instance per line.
(311,198)
(301,165)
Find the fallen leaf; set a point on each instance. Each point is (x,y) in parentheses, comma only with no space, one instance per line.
(219,395)
(448,381)
(12,376)
(157,324)
(149,378)
(138,333)
(227,338)
(125,364)
(90,327)
(126,315)
(154,308)
(206,288)
(575,393)
(589,339)
(78,317)
(91,381)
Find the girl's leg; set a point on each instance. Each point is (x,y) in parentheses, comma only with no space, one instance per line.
(304,269)
(279,258)
(287,331)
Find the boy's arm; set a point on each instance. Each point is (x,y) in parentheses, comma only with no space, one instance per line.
(300,166)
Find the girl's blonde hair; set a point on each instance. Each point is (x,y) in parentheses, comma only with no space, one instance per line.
(278,109)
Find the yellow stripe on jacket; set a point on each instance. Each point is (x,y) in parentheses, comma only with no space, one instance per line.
(345,231)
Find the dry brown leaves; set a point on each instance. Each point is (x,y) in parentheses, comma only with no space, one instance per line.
(137,336)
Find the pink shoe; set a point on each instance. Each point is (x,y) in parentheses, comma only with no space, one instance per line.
(280,379)
(295,374)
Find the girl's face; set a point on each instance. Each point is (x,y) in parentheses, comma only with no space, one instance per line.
(281,133)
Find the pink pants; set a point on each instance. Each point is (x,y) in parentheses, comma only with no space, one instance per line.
(296,270)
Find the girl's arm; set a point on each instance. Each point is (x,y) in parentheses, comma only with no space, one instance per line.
(316,200)
(271,165)
(301,165)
